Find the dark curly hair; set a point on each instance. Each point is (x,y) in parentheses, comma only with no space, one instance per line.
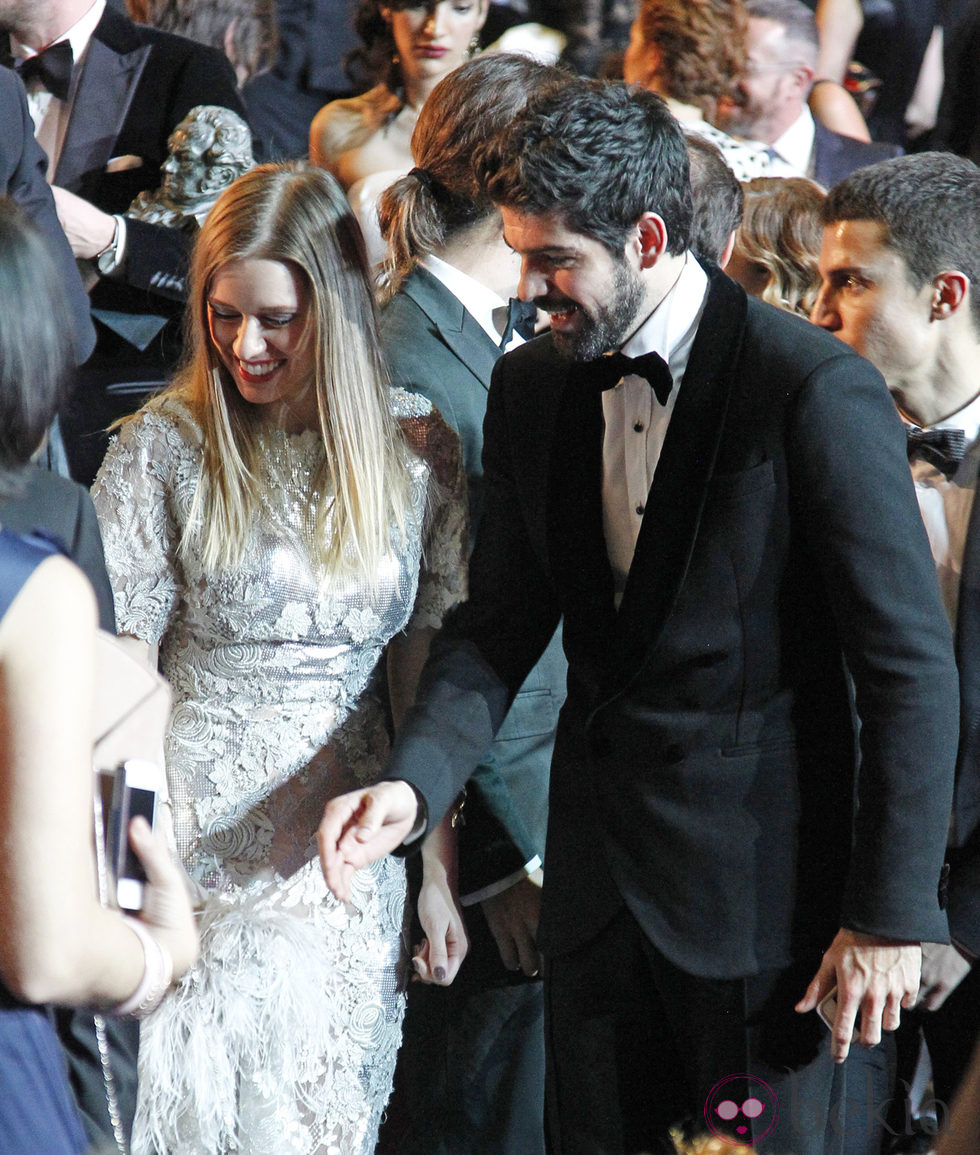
(601,154)
(374,61)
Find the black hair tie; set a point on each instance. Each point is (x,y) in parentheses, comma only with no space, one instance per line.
(424,177)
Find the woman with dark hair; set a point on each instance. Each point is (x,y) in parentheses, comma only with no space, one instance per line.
(274,524)
(365,142)
(58,944)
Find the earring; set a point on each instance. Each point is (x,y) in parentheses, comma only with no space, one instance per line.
(473,48)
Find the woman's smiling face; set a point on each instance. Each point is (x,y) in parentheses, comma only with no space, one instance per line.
(259,319)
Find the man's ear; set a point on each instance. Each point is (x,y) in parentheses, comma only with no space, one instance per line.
(803,78)
(651,239)
(949,291)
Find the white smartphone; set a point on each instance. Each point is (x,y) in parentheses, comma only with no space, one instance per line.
(133,794)
(827,1010)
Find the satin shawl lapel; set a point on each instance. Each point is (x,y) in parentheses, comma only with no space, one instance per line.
(680,484)
(967,797)
(453,324)
(102,100)
(577,543)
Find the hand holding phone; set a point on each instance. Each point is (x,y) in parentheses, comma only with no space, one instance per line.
(827,1010)
(133,794)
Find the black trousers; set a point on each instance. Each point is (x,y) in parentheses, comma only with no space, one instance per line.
(636,1046)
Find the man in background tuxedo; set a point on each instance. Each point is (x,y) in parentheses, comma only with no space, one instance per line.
(22,168)
(900,268)
(105,94)
(710,520)
(771,97)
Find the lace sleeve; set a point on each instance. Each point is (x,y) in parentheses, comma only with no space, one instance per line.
(442,579)
(133,499)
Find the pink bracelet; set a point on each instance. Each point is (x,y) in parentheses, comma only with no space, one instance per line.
(158,973)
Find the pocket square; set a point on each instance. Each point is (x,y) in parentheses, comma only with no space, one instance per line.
(123,163)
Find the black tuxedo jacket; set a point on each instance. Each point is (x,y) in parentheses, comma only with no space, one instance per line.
(137,84)
(22,169)
(835,156)
(434,346)
(705,760)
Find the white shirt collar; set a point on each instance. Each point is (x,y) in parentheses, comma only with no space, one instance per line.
(78,35)
(671,326)
(796,143)
(476,299)
(967,419)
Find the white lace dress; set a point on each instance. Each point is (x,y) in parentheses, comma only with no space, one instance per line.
(283,1037)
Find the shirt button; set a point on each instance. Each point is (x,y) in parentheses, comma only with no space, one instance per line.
(639,510)
(638,427)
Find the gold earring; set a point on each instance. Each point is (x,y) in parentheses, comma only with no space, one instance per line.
(473,48)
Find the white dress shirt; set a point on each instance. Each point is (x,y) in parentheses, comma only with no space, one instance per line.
(636,422)
(479,301)
(795,146)
(49,114)
(946,504)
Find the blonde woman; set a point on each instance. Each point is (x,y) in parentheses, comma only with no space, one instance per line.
(778,242)
(272,523)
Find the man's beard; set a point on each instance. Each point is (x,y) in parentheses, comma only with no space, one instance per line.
(17,17)
(608,326)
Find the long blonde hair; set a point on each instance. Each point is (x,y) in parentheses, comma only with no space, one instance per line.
(296,214)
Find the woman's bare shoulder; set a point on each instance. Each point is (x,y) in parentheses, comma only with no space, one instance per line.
(343,125)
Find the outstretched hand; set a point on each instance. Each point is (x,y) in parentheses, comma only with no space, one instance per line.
(876,976)
(362,826)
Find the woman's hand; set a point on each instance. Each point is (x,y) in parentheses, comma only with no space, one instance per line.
(166,904)
(438,957)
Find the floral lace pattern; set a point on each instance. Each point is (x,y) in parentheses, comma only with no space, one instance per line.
(283,1037)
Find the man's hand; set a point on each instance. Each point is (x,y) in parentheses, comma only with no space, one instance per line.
(944,967)
(876,976)
(361,827)
(512,917)
(89,230)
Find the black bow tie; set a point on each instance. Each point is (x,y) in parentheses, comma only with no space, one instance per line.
(942,448)
(607,371)
(50,68)
(522,316)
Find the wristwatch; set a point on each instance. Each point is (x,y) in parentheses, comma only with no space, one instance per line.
(110,258)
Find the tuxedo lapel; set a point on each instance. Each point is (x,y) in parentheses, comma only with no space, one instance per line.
(110,74)
(680,484)
(967,796)
(576,540)
(453,324)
